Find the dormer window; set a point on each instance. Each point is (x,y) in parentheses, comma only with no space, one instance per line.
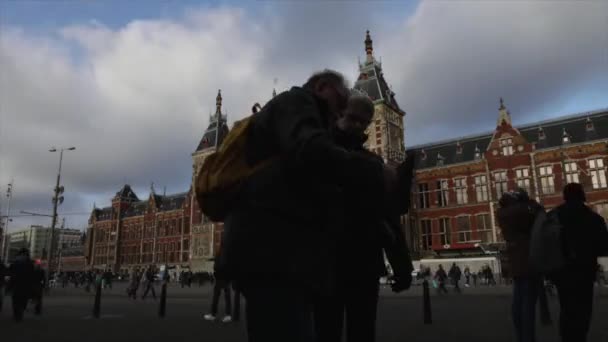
(589,125)
(458,148)
(507,146)
(565,137)
(440,159)
(477,153)
(541,134)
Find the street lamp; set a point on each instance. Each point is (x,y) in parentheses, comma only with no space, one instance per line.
(57,200)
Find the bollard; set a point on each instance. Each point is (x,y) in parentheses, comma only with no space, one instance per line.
(96,306)
(163,300)
(426,303)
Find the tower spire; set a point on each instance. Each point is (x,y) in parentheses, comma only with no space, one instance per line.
(369,49)
(218,102)
(503,114)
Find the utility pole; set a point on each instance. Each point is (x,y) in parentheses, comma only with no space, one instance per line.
(6,243)
(57,200)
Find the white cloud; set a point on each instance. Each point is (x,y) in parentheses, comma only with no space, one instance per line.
(452,60)
(135,100)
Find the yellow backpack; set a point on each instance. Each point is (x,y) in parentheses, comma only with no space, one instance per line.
(218,182)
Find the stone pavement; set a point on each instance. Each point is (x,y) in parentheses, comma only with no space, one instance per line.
(479,314)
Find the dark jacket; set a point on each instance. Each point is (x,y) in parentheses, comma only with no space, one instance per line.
(288,211)
(584,236)
(455,273)
(359,247)
(21,276)
(516,221)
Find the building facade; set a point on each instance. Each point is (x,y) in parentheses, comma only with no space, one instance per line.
(36,239)
(458,182)
(134,233)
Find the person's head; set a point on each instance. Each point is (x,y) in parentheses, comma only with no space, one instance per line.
(507,199)
(357,115)
(23,252)
(574,193)
(440,266)
(329,86)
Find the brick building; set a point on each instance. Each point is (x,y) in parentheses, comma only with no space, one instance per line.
(458,182)
(134,233)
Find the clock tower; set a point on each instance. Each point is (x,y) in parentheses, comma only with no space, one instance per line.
(386,132)
(206,235)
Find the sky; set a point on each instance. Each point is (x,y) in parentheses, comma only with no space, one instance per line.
(131,84)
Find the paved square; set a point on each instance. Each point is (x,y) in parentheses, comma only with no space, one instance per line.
(480,314)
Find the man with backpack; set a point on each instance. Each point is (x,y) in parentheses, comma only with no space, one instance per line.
(516,217)
(289,207)
(584,238)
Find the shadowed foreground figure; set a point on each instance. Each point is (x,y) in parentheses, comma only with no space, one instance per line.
(371,229)
(288,212)
(585,238)
(21,280)
(516,217)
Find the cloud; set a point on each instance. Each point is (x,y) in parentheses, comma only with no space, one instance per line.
(451,61)
(135,99)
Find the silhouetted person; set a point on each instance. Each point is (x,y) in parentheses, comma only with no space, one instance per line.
(149,283)
(21,279)
(294,199)
(584,237)
(467,276)
(182,279)
(516,217)
(455,274)
(38,285)
(440,278)
(3,274)
(221,285)
(134,282)
(369,229)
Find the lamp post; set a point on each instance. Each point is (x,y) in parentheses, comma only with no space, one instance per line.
(5,242)
(57,200)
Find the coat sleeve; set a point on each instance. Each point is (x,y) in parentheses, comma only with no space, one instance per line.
(602,237)
(396,250)
(402,196)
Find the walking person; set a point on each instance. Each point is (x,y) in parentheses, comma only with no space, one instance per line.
(20,284)
(467,276)
(584,237)
(134,281)
(3,275)
(222,284)
(455,274)
(516,217)
(440,278)
(295,197)
(149,283)
(38,286)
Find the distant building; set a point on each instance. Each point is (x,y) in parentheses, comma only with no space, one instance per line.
(36,239)
(458,182)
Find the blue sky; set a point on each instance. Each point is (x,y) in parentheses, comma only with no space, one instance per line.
(131,83)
